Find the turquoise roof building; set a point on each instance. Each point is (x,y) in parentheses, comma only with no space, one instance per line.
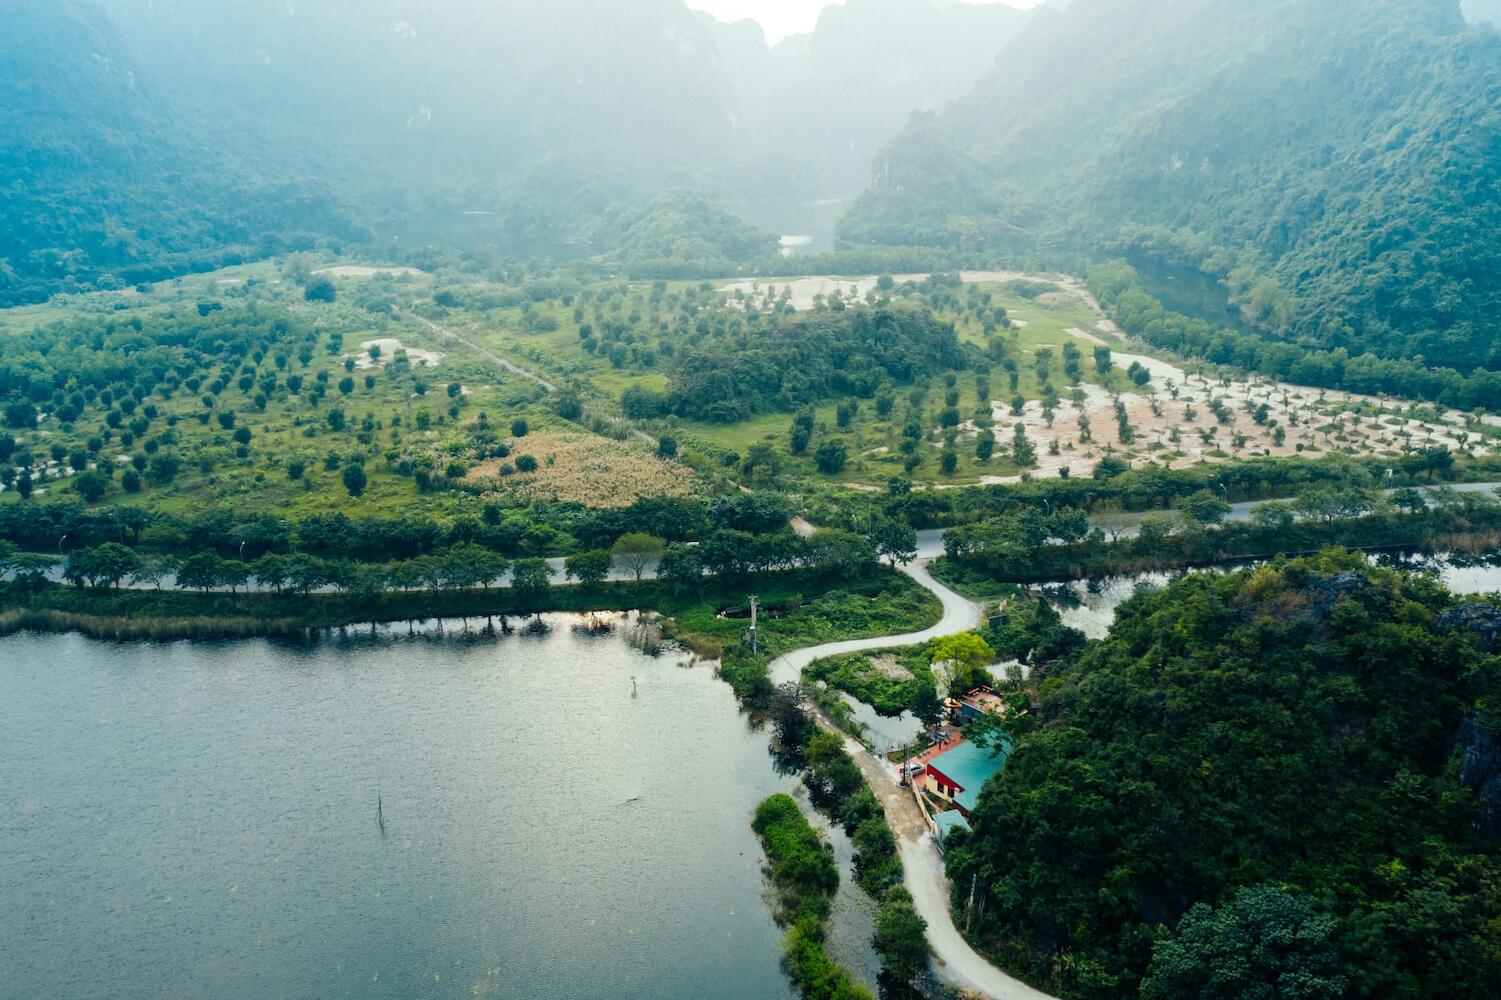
(960,773)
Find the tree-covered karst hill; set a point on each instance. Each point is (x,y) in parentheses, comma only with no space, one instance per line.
(104,185)
(1272,783)
(1336,161)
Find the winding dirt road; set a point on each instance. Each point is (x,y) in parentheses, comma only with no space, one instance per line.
(922,865)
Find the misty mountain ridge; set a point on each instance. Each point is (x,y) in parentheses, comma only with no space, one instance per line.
(1336,161)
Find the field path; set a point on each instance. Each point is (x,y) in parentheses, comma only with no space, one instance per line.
(922,866)
(444,333)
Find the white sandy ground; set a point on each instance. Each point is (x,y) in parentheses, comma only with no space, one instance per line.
(357,271)
(1319,427)
(390,348)
(1310,417)
(802,292)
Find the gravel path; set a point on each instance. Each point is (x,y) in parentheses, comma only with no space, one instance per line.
(922,865)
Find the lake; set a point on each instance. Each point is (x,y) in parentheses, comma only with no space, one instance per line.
(1185,289)
(193,820)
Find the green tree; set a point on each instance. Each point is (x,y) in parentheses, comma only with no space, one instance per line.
(1263,943)
(1203,509)
(831,457)
(901,935)
(895,540)
(355,479)
(589,568)
(91,485)
(1023,453)
(531,577)
(957,658)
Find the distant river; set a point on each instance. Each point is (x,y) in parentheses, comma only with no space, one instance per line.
(196,820)
(1090,605)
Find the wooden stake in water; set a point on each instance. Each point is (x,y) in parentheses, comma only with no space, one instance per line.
(380,815)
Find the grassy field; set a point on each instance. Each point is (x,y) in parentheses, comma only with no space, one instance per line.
(446,412)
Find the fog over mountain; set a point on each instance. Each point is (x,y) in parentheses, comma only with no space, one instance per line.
(1337,160)
(548,115)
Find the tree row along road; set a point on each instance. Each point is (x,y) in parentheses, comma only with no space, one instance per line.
(922,865)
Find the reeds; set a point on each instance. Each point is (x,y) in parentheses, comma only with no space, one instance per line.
(121,629)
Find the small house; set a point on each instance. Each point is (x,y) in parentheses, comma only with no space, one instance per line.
(957,775)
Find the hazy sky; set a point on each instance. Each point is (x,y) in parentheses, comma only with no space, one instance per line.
(781,18)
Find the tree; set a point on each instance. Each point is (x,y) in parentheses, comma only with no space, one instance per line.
(1022,451)
(901,935)
(802,432)
(355,479)
(201,571)
(957,658)
(91,485)
(531,577)
(637,552)
(1263,943)
(520,428)
(1203,509)
(667,447)
(790,720)
(103,566)
(526,464)
(985,447)
(831,457)
(320,289)
(895,540)
(153,570)
(831,776)
(30,569)
(589,568)
(681,568)
(1410,500)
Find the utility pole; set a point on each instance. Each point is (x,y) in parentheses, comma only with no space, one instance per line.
(969,911)
(755,603)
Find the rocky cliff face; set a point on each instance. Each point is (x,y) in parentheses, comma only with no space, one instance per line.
(1479,753)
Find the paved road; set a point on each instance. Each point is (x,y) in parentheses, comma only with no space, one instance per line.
(959,615)
(922,865)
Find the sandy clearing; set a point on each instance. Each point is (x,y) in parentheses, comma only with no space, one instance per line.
(802,292)
(390,349)
(359,271)
(1173,423)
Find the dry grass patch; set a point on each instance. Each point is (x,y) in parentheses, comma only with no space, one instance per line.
(585,469)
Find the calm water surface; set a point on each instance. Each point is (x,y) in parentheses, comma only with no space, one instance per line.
(199,820)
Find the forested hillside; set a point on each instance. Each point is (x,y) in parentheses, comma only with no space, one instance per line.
(1334,160)
(103,185)
(1260,785)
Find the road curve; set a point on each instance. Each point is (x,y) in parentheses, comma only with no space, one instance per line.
(959,615)
(922,865)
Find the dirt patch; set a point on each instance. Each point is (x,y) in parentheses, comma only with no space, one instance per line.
(584,469)
(357,271)
(888,666)
(390,350)
(1182,418)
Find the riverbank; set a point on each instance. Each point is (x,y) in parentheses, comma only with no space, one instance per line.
(983,568)
(800,608)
